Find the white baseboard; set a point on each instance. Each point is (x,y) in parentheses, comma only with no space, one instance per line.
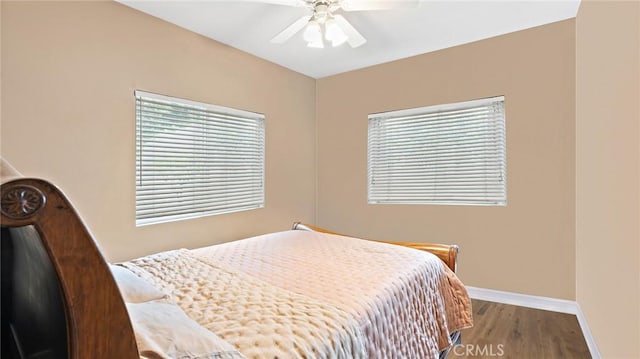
(537,302)
(593,348)
(524,300)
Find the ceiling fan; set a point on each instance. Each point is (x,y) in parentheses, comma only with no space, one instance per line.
(337,30)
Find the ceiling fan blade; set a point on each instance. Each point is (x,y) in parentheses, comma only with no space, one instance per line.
(287,33)
(362,5)
(297,3)
(354,37)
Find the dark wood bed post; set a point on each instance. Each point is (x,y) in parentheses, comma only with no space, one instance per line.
(97,323)
(448,253)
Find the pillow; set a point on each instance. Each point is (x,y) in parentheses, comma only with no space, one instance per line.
(163,330)
(133,288)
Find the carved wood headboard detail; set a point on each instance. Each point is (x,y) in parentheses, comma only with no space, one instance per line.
(97,323)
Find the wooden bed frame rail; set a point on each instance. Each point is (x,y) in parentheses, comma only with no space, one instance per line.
(448,253)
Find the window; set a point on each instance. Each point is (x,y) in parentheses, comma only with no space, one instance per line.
(447,154)
(195,159)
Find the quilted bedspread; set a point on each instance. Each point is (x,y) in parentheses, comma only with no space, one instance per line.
(258,319)
(317,296)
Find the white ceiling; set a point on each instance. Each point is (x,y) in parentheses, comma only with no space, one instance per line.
(390,34)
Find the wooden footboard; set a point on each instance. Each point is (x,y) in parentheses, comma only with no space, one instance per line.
(448,253)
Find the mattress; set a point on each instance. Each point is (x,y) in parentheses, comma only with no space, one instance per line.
(297,294)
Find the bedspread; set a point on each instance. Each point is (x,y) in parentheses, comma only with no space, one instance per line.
(260,320)
(406,302)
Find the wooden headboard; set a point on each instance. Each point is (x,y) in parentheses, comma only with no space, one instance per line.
(59,299)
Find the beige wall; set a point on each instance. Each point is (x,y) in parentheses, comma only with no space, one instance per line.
(527,246)
(69,71)
(608,174)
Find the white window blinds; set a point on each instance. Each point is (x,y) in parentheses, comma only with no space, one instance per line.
(195,159)
(447,154)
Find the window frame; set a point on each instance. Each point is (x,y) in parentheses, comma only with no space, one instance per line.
(416,113)
(212,111)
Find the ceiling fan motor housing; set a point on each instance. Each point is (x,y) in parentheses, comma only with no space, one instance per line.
(321,11)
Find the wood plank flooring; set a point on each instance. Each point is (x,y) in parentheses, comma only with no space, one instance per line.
(507,331)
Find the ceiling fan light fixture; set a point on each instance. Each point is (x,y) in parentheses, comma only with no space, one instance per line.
(334,33)
(313,32)
(323,23)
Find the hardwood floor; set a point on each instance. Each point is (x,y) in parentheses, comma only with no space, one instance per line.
(507,331)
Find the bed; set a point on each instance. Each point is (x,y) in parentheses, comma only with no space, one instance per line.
(305,292)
